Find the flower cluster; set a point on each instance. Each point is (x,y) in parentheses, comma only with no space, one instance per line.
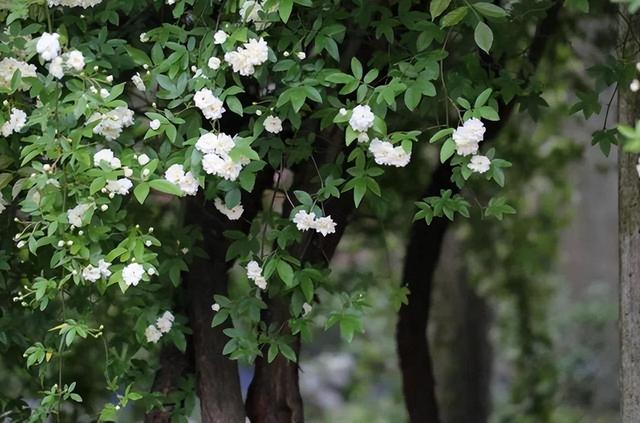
(119,187)
(254,272)
(92,273)
(112,123)
(163,325)
(384,153)
(231,213)
(74,3)
(185,181)
(244,59)
(71,61)
(305,221)
(209,104)
(467,138)
(8,67)
(17,121)
(216,160)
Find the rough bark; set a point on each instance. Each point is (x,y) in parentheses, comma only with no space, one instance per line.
(629,249)
(173,366)
(217,379)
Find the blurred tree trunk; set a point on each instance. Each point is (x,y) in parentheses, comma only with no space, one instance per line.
(459,335)
(629,239)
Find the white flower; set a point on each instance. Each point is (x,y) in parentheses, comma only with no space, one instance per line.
(635,85)
(342,111)
(120,187)
(220,37)
(361,118)
(468,136)
(324,225)
(250,11)
(301,55)
(222,166)
(56,69)
(152,334)
(75,60)
(185,181)
(273,124)
(215,307)
(214,63)
(171,2)
(254,270)
(91,273)
(188,184)
(479,164)
(112,123)
(73,3)
(3,203)
(76,214)
(103,266)
(128,173)
(384,153)
(48,46)
(233,213)
(143,37)
(211,143)
(143,159)
(306,309)
(106,156)
(17,121)
(261,282)
(165,322)
(210,105)
(244,59)
(304,221)
(104,93)
(154,124)
(363,137)
(132,274)
(138,82)
(9,65)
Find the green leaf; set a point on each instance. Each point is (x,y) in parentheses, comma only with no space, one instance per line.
(482,98)
(234,105)
(165,186)
(284,9)
(356,68)
(491,10)
(447,150)
(437,7)
(441,134)
(454,17)
(483,36)
(141,191)
(285,271)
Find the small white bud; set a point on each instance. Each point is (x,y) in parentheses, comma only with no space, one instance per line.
(215,307)
(61,243)
(145,66)
(148,243)
(21,244)
(259,112)
(635,85)
(151,271)
(145,172)
(285,54)
(127,172)
(112,195)
(95,68)
(69,243)
(110,78)
(81,232)
(104,207)
(151,230)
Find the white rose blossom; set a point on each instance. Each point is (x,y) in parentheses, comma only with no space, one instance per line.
(9,65)
(254,272)
(76,214)
(143,159)
(56,69)
(244,59)
(479,164)
(233,213)
(185,181)
(120,186)
(304,220)
(384,153)
(17,121)
(468,136)
(273,124)
(75,60)
(165,322)
(106,156)
(361,118)
(152,334)
(132,274)
(214,63)
(210,105)
(48,46)
(74,3)
(220,37)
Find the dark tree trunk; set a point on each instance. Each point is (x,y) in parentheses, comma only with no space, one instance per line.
(423,251)
(218,382)
(173,366)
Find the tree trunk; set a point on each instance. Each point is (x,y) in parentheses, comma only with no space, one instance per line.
(173,367)
(629,247)
(218,382)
